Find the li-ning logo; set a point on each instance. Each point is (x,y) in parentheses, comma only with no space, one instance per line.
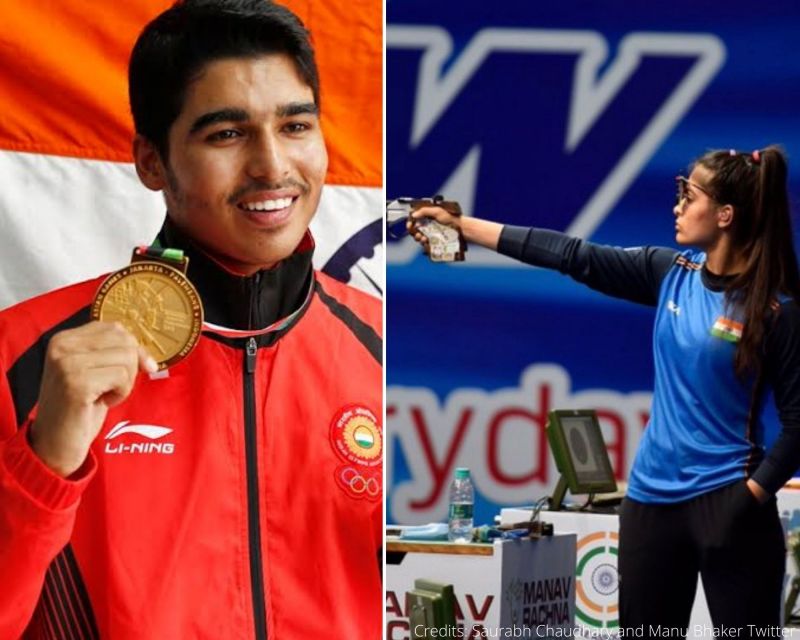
(674,307)
(152,432)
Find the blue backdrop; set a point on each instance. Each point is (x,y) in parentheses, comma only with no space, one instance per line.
(574,116)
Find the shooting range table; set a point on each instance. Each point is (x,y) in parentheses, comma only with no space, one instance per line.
(505,584)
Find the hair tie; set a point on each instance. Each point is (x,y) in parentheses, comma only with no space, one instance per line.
(756,156)
(732,152)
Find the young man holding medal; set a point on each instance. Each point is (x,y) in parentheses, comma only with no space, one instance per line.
(204,460)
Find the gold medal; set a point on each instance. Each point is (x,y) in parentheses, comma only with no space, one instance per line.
(156,302)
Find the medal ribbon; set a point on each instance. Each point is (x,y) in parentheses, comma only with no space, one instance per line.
(159,253)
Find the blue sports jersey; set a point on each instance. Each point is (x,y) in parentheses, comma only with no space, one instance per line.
(698,438)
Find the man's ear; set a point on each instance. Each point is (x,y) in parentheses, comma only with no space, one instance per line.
(149,166)
(725,216)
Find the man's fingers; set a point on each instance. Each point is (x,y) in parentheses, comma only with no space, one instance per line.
(126,357)
(85,377)
(95,385)
(94,336)
(101,337)
(146,361)
(110,385)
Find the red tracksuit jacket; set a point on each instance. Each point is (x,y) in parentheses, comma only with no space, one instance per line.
(239,497)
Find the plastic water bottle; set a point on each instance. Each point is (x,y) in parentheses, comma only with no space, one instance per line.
(462,500)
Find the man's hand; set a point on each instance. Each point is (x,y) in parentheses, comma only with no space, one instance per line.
(86,371)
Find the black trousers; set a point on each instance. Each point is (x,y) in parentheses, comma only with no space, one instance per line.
(735,544)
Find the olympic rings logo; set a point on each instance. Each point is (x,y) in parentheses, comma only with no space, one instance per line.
(358,484)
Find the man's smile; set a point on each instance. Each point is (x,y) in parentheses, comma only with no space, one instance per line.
(269,208)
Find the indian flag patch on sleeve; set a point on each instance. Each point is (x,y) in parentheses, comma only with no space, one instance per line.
(727,329)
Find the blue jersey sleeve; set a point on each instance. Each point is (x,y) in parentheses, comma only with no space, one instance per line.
(632,274)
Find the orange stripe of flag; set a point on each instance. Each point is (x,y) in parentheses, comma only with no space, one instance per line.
(63,85)
(730,324)
(348,39)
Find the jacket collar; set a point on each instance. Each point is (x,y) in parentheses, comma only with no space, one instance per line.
(245,303)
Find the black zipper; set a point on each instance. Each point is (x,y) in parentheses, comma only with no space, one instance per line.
(255,287)
(253,517)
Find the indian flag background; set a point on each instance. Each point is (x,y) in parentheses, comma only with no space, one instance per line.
(71,206)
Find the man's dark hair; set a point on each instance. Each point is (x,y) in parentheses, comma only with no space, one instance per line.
(176,45)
